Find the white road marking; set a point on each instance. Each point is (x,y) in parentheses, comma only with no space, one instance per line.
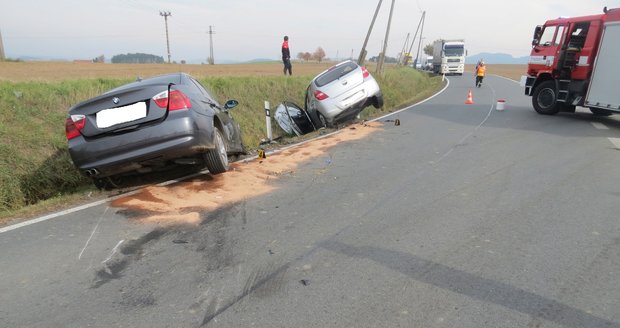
(462,141)
(93,232)
(113,251)
(616,142)
(65,212)
(506,78)
(599,126)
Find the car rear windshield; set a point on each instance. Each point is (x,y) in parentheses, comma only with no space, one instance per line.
(335,73)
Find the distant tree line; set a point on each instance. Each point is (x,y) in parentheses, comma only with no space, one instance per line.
(318,55)
(137,58)
(387,59)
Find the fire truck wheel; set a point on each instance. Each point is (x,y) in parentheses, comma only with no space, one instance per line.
(545,98)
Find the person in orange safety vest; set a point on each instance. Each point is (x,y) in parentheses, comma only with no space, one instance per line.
(480,71)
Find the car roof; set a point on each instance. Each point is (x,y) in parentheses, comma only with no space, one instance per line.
(331,74)
(176,78)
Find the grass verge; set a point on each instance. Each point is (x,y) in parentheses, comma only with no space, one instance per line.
(36,172)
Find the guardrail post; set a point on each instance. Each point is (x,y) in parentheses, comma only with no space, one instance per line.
(268,119)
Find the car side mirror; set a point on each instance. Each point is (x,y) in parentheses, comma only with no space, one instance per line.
(231,104)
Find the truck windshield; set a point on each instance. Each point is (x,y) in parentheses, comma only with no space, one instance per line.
(547,36)
(452,51)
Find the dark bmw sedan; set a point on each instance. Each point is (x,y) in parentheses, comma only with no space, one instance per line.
(151,124)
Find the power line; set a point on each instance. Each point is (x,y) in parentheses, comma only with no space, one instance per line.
(165,14)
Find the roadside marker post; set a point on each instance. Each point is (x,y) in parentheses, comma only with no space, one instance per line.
(268,119)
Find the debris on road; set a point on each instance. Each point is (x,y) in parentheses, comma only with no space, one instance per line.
(187,202)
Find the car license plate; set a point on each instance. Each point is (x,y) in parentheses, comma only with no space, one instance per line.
(353,99)
(109,117)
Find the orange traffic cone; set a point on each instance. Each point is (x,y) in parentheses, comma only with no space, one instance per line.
(470,99)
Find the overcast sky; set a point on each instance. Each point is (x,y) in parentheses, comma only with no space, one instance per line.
(245,30)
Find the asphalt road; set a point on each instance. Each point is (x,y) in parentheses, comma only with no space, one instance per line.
(462,216)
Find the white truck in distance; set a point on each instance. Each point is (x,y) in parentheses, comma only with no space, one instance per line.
(449,57)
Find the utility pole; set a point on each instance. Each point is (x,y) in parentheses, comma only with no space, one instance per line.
(2,57)
(165,14)
(211,59)
(385,42)
(402,52)
(417,58)
(362,57)
(421,23)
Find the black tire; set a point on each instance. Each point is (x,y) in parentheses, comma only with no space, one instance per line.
(100,183)
(322,120)
(108,183)
(216,159)
(544,98)
(378,101)
(600,112)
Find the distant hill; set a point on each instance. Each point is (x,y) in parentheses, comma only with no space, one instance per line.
(32,58)
(498,58)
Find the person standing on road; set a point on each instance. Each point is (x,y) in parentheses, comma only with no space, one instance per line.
(480,71)
(286,57)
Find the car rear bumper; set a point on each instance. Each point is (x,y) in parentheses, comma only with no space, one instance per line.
(351,102)
(141,148)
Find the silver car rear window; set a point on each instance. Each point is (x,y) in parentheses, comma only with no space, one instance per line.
(335,73)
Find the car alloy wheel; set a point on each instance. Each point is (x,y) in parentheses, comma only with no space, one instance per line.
(217,159)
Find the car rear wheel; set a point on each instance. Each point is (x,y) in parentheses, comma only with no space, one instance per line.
(217,159)
(108,183)
(378,101)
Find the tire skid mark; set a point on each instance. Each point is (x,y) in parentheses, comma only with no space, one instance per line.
(114,266)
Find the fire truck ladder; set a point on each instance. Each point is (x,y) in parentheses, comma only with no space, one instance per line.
(563,91)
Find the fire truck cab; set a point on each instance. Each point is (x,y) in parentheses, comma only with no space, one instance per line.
(574,62)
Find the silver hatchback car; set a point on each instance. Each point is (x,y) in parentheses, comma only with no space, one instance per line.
(341,93)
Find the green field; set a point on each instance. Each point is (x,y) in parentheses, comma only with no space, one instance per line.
(35,167)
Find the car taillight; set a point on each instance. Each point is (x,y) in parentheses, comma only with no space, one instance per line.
(365,72)
(178,100)
(320,95)
(73,125)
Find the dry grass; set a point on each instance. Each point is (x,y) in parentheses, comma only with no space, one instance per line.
(513,72)
(61,71)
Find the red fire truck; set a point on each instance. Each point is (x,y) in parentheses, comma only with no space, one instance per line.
(576,62)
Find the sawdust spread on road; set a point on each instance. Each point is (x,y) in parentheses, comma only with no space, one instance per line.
(183,203)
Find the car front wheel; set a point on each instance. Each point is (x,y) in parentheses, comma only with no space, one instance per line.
(322,120)
(217,159)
